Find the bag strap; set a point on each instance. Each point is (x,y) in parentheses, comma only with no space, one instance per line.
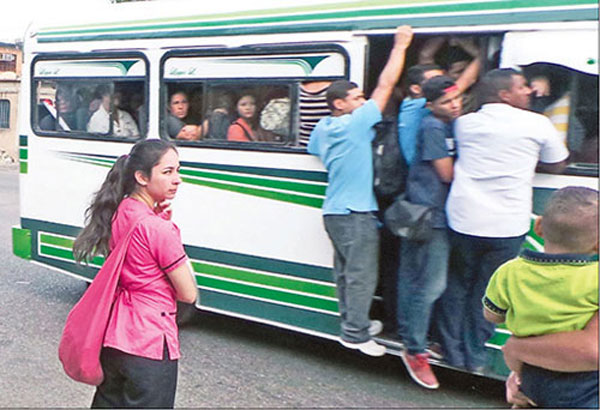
(248,135)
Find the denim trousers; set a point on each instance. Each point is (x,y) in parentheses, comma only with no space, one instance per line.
(421,281)
(461,327)
(355,239)
(550,389)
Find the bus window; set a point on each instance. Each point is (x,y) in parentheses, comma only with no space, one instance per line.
(237,112)
(89,98)
(249,98)
(569,98)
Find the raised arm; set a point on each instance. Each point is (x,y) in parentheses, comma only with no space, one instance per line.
(574,351)
(391,72)
(469,76)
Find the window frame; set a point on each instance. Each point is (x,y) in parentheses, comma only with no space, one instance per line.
(83,134)
(7,111)
(245,51)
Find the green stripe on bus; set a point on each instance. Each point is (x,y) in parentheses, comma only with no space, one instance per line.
(56,240)
(302,175)
(252,308)
(23,153)
(350,11)
(23,167)
(23,140)
(269,294)
(296,199)
(268,183)
(245,261)
(65,254)
(266,280)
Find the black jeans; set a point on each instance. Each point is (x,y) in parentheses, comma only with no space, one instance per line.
(136,382)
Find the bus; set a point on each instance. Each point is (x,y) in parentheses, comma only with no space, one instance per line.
(250,211)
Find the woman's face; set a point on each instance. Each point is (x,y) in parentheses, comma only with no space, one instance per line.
(246,107)
(164,178)
(179,105)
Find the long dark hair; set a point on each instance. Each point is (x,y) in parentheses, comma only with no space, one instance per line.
(119,183)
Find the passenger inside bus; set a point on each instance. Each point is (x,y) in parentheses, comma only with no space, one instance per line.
(123,124)
(177,120)
(218,118)
(246,127)
(66,115)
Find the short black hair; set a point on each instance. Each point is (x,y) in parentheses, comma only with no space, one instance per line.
(415,75)
(495,81)
(339,90)
(436,86)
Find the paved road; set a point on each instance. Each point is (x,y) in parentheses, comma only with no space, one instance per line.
(226,363)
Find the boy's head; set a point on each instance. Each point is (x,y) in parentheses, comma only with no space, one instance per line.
(570,221)
(418,74)
(443,97)
(344,96)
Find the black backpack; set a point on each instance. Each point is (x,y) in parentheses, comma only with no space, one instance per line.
(389,167)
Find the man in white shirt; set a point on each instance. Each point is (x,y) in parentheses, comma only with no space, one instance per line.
(489,204)
(123,124)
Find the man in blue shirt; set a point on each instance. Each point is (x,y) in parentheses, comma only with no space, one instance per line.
(423,264)
(343,142)
(413,109)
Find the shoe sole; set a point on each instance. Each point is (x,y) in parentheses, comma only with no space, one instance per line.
(354,347)
(414,376)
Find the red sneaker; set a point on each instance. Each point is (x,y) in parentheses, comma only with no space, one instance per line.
(419,369)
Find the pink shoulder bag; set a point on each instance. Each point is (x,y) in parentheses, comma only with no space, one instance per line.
(83,334)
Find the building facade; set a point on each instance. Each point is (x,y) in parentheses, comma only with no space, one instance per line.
(11,59)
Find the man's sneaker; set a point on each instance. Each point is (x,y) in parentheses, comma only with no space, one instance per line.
(419,369)
(435,351)
(370,348)
(375,327)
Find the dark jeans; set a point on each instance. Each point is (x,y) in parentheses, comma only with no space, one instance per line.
(461,326)
(560,390)
(421,281)
(355,239)
(136,382)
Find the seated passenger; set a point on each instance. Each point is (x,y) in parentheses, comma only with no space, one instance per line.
(218,119)
(176,120)
(246,128)
(123,124)
(70,116)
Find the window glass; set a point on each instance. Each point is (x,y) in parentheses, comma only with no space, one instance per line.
(260,98)
(103,98)
(4,114)
(569,98)
(232,111)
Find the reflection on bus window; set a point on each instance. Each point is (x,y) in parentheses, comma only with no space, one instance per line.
(82,107)
(232,112)
(569,99)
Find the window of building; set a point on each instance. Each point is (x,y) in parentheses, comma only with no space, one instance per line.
(4,114)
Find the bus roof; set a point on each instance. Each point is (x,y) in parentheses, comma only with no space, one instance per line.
(184,19)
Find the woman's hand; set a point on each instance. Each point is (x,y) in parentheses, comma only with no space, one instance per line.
(164,210)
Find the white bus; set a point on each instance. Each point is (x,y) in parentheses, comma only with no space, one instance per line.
(249,212)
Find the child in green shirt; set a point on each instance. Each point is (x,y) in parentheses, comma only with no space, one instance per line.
(554,291)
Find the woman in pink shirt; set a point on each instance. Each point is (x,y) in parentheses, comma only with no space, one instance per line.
(141,344)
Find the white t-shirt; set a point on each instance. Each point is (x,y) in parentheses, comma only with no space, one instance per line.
(126,127)
(498,148)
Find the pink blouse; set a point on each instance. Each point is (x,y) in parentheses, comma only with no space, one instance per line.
(143,316)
